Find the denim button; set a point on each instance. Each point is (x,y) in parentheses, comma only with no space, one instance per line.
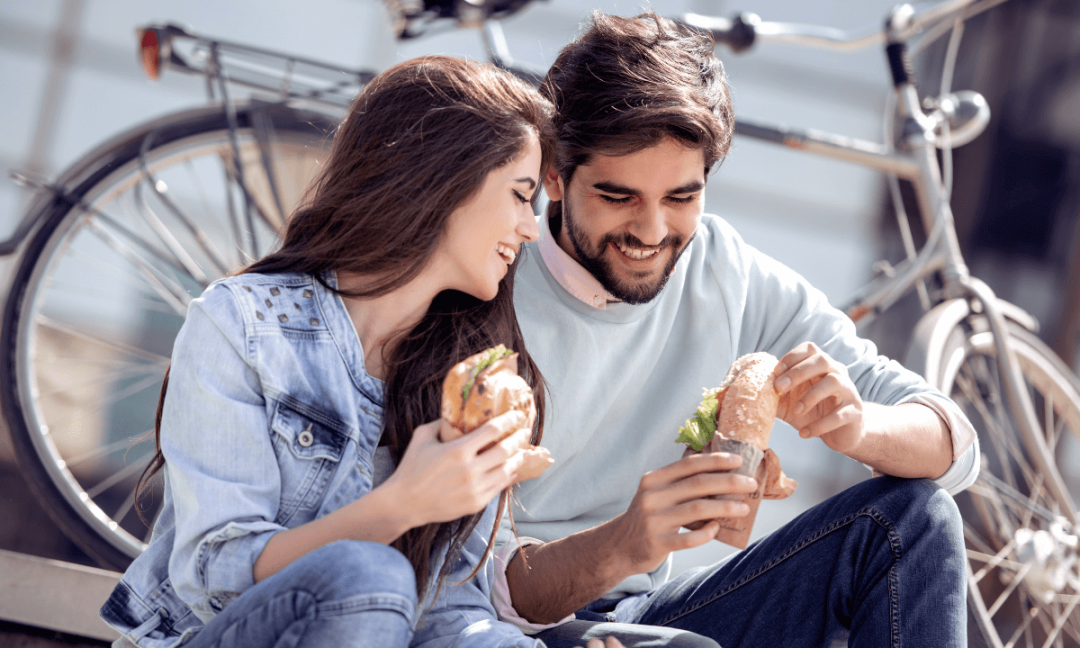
(306,438)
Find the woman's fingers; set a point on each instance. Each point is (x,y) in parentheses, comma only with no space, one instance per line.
(493,431)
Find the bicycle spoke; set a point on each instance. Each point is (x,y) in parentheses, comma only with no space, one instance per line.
(1060,623)
(263,135)
(1017,578)
(125,507)
(974,538)
(102,451)
(171,292)
(102,379)
(994,561)
(203,241)
(49,323)
(180,255)
(1023,628)
(135,283)
(114,479)
(99,218)
(105,404)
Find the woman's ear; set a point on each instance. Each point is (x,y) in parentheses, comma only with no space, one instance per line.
(553,185)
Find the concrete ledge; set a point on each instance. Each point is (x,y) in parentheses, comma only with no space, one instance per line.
(55,595)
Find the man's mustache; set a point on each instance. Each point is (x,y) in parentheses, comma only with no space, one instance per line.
(631,241)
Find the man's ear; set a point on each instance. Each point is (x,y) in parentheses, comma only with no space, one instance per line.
(553,185)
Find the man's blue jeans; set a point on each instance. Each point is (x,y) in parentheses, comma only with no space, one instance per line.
(344,594)
(884,561)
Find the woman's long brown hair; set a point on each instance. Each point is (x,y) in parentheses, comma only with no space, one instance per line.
(418,142)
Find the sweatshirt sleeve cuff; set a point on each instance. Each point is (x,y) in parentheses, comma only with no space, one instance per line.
(500,593)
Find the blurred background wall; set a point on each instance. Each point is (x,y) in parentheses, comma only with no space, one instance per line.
(69,78)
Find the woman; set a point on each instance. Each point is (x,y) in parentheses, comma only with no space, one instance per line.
(307,499)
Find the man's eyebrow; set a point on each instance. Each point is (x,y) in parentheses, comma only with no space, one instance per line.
(611,187)
(690,187)
(531,181)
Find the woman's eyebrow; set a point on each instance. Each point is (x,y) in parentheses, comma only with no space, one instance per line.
(531,181)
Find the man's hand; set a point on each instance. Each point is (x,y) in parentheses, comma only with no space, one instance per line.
(610,642)
(818,398)
(672,497)
(565,575)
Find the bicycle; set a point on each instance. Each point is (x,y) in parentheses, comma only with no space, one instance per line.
(124,209)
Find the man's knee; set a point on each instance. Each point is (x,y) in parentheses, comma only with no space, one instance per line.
(922,511)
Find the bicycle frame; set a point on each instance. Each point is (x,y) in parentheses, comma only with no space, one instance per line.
(917,163)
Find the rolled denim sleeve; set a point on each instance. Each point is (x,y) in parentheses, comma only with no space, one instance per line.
(219,461)
(463,616)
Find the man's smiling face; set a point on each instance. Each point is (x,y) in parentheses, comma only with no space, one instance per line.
(628,218)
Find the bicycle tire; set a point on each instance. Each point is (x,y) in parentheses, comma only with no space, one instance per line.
(1017,594)
(96,301)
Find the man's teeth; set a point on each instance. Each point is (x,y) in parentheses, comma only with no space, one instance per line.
(507,253)
(635,253)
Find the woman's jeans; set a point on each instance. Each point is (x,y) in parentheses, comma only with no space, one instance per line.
(342,595)
(883,561)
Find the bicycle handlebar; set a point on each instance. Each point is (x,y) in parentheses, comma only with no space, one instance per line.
(742,31)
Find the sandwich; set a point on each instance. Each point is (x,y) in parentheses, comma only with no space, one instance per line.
(737,417)
(482,387)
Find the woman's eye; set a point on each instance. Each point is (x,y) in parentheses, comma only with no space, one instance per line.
(615,201)
(520,196)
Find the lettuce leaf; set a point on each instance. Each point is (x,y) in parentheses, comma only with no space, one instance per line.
(490,357)
(699,429)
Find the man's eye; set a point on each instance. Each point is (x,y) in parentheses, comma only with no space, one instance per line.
(615,201)
(683,200)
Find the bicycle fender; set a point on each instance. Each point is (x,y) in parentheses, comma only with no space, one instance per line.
(929,338)
(932,331)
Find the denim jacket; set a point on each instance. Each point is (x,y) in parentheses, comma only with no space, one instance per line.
(270,422)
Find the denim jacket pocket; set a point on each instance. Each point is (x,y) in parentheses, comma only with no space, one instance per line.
(309,447)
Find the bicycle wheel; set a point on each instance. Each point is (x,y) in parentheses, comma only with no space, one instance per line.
(146,223)
(1024,582)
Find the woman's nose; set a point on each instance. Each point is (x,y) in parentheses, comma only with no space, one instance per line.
(527,227)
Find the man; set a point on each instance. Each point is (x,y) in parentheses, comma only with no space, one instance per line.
(633,301)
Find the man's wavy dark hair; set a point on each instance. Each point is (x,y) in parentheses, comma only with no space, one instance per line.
(626,84)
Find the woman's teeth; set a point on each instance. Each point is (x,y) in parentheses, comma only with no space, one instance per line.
(507,253)
(635,253)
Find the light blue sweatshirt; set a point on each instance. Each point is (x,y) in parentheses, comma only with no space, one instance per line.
(622,379)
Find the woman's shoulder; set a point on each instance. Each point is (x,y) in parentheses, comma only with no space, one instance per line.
(256,297)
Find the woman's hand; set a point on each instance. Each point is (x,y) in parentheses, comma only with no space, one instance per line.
(818,398)
(441,482)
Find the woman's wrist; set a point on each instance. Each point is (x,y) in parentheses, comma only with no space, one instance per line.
(388,512)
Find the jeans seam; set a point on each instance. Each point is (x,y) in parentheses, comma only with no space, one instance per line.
(389,602)
(871,512)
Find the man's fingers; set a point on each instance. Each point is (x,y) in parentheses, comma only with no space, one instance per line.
(838,419)
(708,484)
(691,465)
(708,509)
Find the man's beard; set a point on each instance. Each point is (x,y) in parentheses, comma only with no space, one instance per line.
(641,288)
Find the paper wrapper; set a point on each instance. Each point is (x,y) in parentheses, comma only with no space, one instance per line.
(736,531)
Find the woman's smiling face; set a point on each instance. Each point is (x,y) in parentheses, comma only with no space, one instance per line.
(485,233)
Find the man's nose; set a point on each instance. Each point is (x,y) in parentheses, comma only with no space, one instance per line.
(650,224)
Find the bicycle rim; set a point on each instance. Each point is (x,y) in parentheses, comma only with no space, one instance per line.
(1024,581)
(103,290)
